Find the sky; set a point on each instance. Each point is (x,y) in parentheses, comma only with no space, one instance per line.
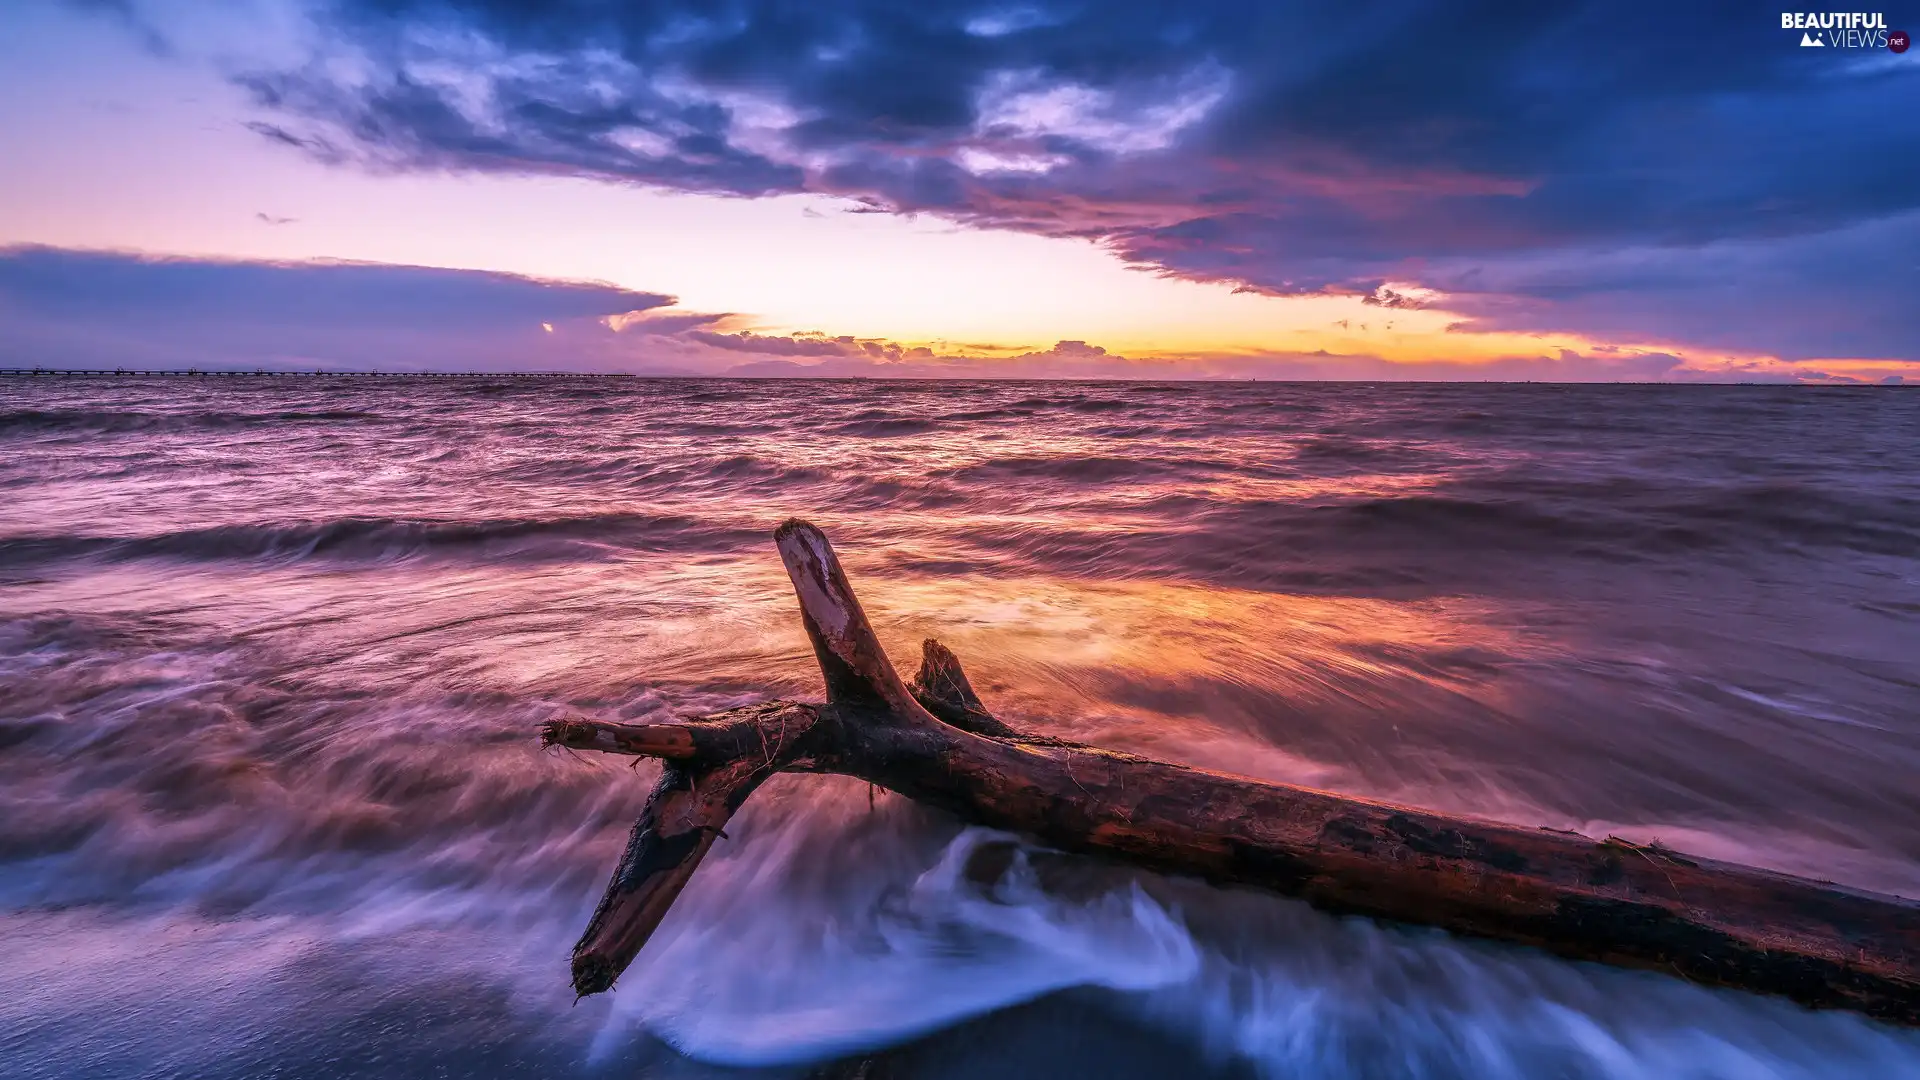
(1203,189)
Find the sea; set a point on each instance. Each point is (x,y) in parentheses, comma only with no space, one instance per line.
(274,652)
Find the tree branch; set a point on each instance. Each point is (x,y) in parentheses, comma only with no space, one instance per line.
(1606,901)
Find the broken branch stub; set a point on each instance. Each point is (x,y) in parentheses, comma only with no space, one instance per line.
(943,690)
(1714,923)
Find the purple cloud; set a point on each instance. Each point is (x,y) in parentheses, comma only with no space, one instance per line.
(108,309)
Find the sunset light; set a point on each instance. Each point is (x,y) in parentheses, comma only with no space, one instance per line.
(173,131)
(951,539)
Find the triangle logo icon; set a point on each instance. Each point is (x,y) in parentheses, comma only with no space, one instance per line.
(1808,41)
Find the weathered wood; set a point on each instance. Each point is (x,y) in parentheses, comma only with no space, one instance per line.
(944,690)
(1607,900)
(712,766)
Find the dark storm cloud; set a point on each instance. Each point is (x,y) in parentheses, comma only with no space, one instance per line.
(109,309)
(1842,292)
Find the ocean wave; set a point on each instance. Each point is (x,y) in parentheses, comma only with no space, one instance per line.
(1434,595)
(1426,538)
(741,472)
(987,414)
(1655,515)
(891,427)
(116,421)
(1100,405)
(1087,468)
(934,934)
(361,539)
(1345,449)
(1620,520)
(222,777)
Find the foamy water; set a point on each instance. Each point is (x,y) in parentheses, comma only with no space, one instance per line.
(273,653)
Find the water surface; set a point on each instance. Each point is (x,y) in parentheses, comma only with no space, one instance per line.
(273,651)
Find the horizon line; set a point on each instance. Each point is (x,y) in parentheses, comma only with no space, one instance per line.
(200,373)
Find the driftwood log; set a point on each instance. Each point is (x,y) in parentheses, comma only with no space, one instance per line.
(934,742)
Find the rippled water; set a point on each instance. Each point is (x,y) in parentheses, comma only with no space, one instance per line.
(273,651)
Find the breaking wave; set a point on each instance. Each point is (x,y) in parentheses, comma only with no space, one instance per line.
(385,539)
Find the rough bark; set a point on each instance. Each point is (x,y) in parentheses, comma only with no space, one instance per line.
(712,765)
(935,742)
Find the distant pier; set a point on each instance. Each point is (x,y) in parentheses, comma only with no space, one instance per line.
(271,373)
